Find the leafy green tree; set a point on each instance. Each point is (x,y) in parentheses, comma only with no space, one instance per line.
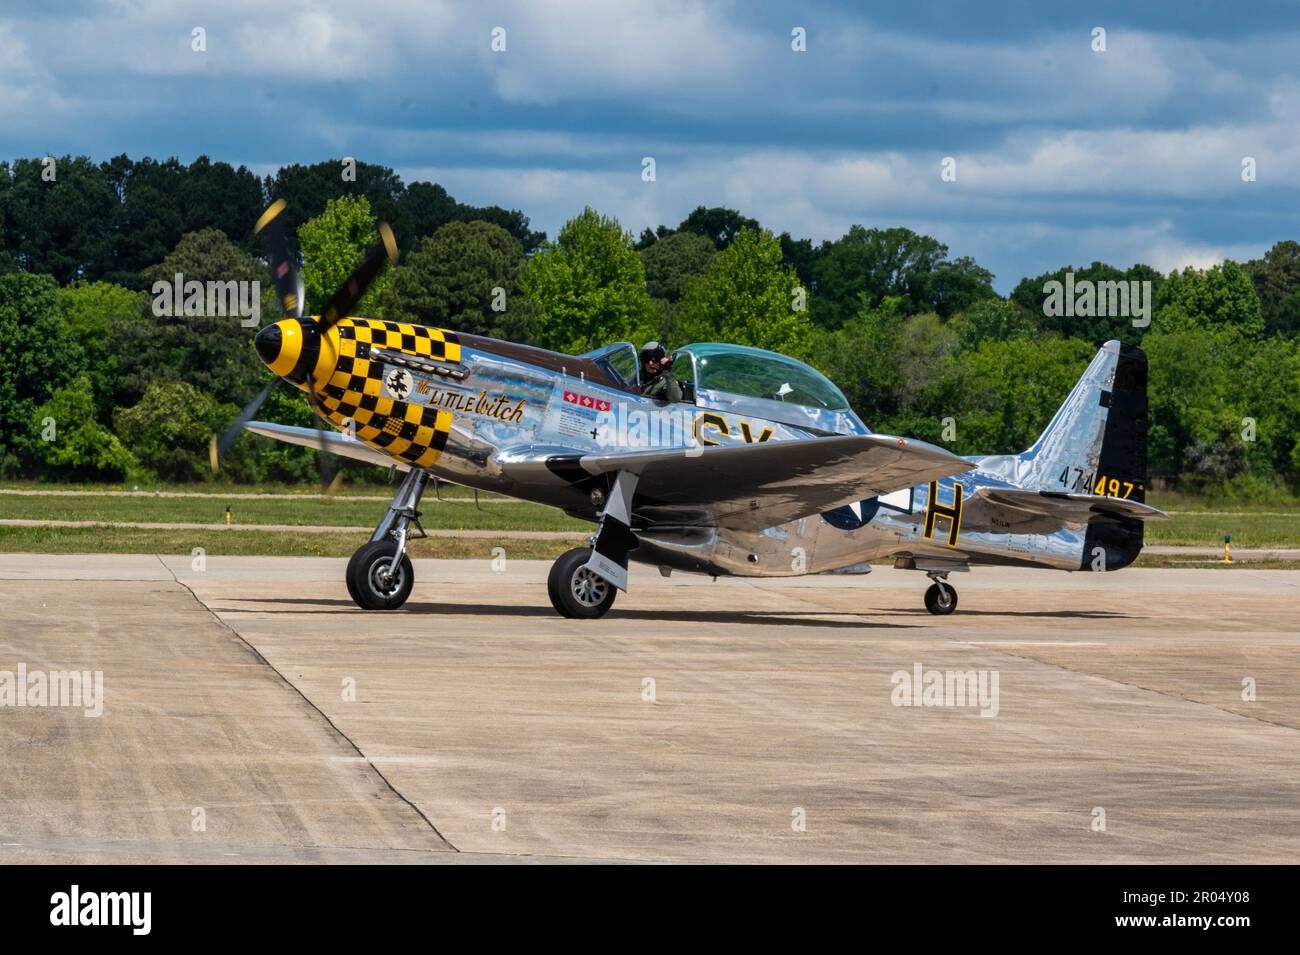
(512,220)
(413,211)
(748,297)
(907,374)
(1031,294)
(427,207)
(892,263)
(333,244)
(216,195)
(589,286)
(9,259)
(992,319)
(719,224)
(450,281)
(1013,390)
(1277,282)
(37,357)
(861,357)
(169,429)
(60,227)
(308,190)
(90,313)
(799,255)
(78,446)
(956,285)
(901,373)
(1265,376)
(148,220)
(1218,297)
(1225,412)
(212,353)
(1194,415)
(671,264)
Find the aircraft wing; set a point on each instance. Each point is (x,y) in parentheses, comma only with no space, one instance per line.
(1071,508)
(755,486)
(333,441)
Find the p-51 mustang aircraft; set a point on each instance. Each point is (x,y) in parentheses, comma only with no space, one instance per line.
(762,469)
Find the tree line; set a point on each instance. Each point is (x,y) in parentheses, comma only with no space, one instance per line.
(95,383)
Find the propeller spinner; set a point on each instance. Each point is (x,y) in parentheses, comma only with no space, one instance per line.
(291,347)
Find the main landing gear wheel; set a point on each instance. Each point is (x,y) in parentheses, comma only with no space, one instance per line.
(372,581)
(941,598)
(575,591)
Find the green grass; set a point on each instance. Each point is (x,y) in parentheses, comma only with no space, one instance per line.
(296,510)
(1205,528)
(1195,521)
(1183,563)
(378,489)
(1180,501)
(113,540)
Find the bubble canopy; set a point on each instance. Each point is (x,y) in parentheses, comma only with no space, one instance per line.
(755,373)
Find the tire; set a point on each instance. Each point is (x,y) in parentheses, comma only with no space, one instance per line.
(576,592)
(363,577)
(941,599)
(349,576)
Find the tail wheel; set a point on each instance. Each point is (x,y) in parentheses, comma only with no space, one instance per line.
(941,599)
(575,591)
(373,582)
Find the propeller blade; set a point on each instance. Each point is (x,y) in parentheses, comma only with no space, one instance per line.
(274,233)
(220,444)
(343,301)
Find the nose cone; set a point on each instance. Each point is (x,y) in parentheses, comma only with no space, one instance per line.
(268,343)
(289,348)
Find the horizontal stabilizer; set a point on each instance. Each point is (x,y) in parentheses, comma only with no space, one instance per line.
(1072,508)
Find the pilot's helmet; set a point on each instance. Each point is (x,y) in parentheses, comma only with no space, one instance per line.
(653,351)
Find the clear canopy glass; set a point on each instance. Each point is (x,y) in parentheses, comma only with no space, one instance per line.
(755,373)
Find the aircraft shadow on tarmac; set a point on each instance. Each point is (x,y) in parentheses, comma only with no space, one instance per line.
(802,618)
(471,610)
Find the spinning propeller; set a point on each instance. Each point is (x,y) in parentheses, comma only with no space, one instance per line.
(290,346)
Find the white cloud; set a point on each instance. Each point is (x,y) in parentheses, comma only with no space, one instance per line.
(575,50)
(1061,152)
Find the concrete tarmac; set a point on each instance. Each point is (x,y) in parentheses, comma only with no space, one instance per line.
(252,713)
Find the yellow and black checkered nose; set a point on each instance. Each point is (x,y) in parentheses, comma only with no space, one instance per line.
(289,348)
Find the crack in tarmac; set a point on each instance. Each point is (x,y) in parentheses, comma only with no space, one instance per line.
(306,699)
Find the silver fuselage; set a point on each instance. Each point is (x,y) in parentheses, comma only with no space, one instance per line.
(507,409)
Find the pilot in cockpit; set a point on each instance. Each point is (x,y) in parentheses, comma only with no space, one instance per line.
(657,379)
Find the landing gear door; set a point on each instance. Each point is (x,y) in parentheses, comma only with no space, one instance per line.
(615,539)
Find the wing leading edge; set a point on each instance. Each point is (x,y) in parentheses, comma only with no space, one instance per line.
(333,441)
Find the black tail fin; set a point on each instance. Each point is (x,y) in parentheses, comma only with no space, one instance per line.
(1121,463)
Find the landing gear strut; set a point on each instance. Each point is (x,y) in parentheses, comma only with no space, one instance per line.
(941,597)
(380,575)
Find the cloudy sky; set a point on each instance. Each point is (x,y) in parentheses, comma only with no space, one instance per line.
(1063,155)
